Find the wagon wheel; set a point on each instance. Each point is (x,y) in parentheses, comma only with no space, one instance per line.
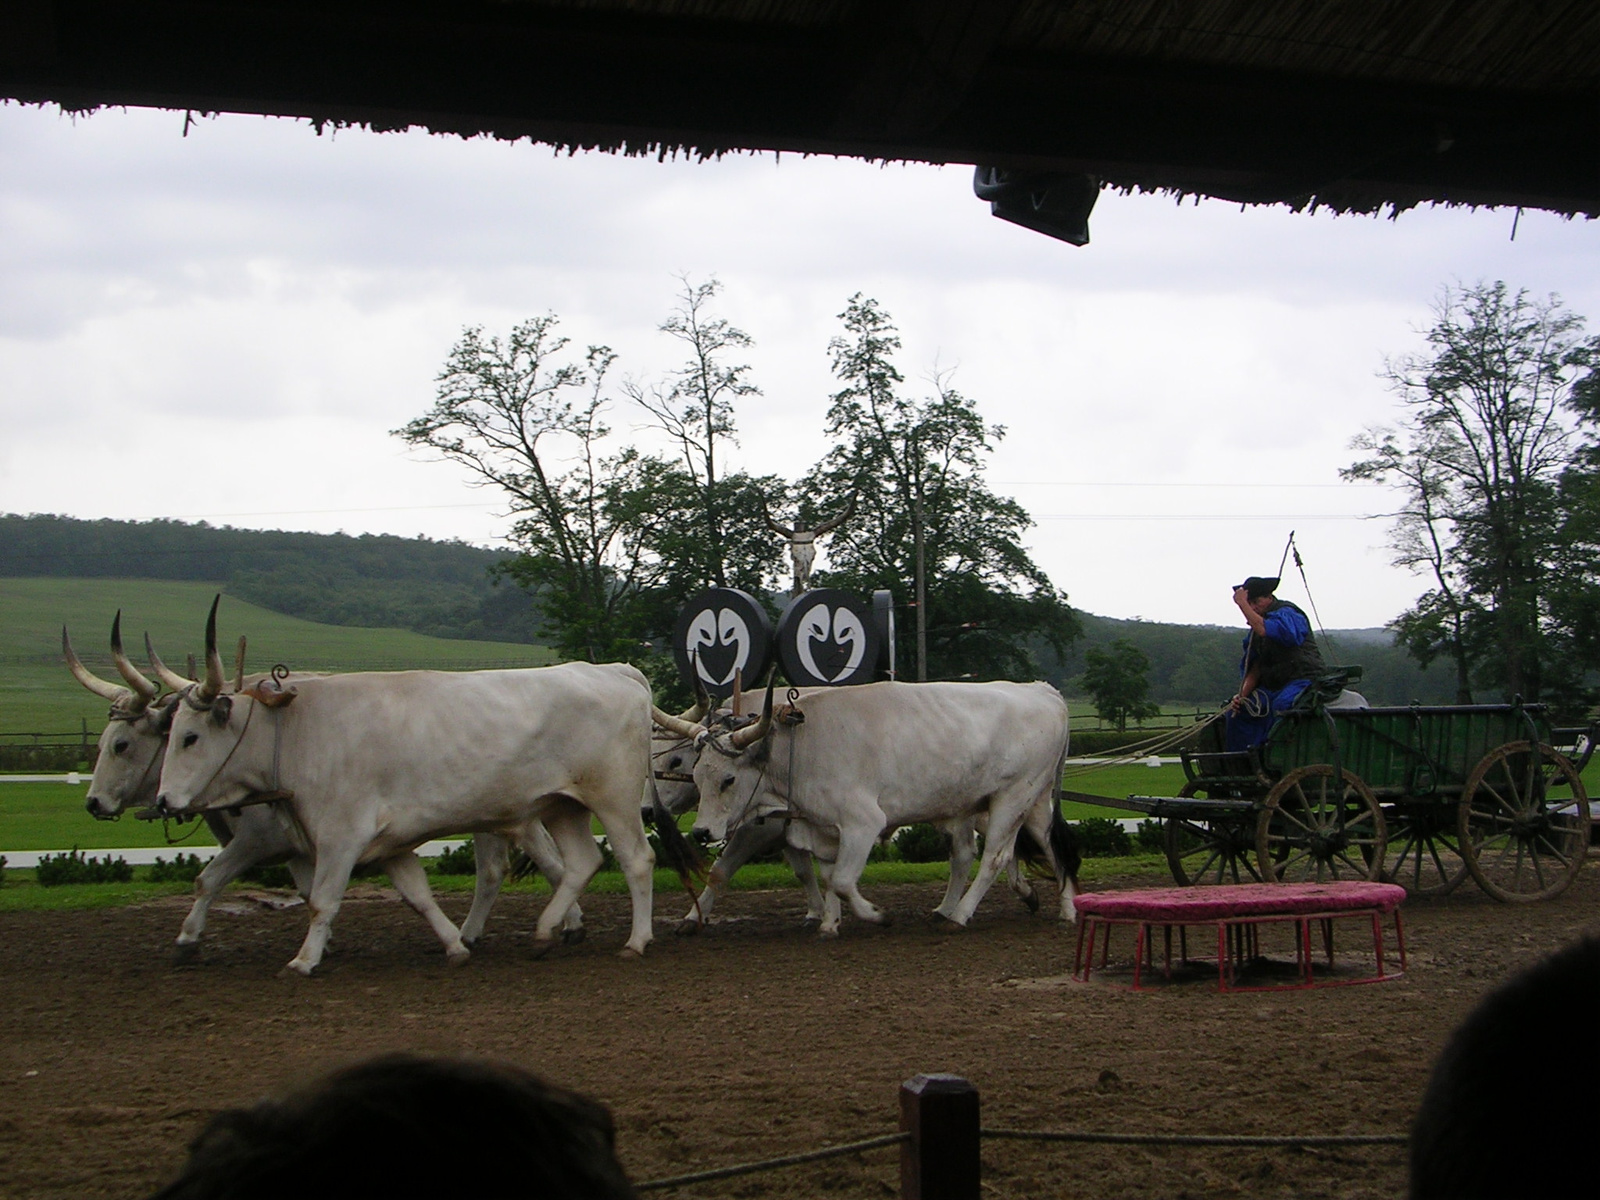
(1211,850)
(1427,859)
(1520,842)
(1315,828)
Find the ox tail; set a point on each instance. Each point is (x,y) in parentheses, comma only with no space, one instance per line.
(679,853)
(1064,857)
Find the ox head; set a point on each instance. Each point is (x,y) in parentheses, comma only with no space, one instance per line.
(213,757)
(125,771)
(672,761)
(732,762)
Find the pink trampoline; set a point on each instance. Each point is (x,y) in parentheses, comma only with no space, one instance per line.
(1238,912)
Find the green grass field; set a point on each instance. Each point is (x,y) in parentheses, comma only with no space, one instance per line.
(19,893)
(38,695)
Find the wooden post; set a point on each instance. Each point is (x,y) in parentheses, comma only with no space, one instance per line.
(940,1162)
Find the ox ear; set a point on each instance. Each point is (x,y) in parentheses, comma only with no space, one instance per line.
(221,709)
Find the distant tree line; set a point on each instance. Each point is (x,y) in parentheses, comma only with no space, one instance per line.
(445,589)
(1199,664)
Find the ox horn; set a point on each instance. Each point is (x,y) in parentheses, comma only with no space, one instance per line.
(100,687)
(751,734)
(238,667)
(163,672)
(694,714)
(143,689)
(674,725)
(211,686)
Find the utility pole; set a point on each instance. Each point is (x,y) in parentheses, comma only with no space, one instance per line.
(922,591)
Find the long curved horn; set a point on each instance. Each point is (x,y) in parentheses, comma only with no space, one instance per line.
(674,725)
(695,713)
(830,526)
(780,530)
(751,734)
(211,686)
(163,672)
(142,687)
(238,667)
(101,688)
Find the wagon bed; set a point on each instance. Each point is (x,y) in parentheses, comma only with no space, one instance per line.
(1417,795)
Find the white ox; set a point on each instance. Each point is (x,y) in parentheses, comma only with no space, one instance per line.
(368,766)
(764,830)
(865,760)
(126,775)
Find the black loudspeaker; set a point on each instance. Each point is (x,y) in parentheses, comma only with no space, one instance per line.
(1047,202)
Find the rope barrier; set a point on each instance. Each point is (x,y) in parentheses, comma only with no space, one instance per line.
(1200,1139)
(1028,1135)
(772,1164)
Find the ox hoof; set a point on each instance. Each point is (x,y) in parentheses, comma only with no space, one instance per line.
(471,943)
(950,925)
(296,967)
(630,952)
(571,937)
(687,928)
(543,946)
(810,922)
(1032,901)
(828,934)
(458,958)
(185,954)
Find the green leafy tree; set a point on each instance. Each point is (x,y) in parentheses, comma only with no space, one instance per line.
(924,513)
(525,414)
(1490,459)
(726,544)
(1115,678)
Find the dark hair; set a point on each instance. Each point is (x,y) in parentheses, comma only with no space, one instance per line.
(403,1125)
(1513,1095)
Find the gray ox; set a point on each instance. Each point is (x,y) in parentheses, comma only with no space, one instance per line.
(866,760)
(126,775)
(368,766)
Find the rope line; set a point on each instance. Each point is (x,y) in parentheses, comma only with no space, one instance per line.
(1131,754)
(772,1164)
(1029,1135)
(1200,1139)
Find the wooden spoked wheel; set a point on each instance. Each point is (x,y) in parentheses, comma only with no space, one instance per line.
(1218,849)
(1524,822)
(1424,848)
(1318,828)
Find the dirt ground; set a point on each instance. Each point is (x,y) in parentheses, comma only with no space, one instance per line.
(752,1040)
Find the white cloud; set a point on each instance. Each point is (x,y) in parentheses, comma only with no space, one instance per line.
(231,322)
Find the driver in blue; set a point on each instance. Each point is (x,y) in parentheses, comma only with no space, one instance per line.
(1280,661)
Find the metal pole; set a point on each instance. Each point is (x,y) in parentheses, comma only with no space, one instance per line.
(922,591)
(940,1161)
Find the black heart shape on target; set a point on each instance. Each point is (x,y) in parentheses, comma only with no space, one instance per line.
(716,661)
(830,655)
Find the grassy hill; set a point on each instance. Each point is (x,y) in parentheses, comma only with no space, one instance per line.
(38,695)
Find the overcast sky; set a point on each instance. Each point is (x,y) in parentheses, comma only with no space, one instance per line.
(226,325)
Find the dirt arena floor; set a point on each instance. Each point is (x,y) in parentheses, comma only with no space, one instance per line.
(752,1040)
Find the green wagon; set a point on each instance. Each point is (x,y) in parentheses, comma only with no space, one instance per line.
(1420,796)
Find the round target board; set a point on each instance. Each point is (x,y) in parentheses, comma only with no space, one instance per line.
(828,638)
(721,633)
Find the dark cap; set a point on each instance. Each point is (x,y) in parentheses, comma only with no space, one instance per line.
(1257,586)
